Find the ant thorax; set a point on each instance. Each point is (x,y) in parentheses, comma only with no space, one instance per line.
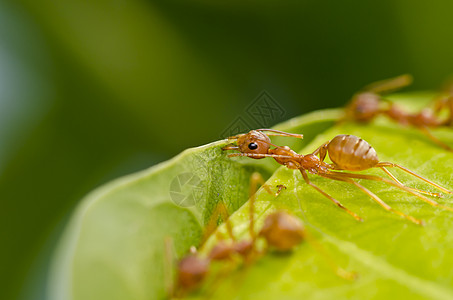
(287,157)
(313,164)
(398,115)
(424,118)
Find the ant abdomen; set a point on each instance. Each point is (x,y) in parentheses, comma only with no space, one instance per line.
(349,152)
(282,231)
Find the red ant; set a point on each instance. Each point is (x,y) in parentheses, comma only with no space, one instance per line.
(281,230)
(347,153)
(367,104)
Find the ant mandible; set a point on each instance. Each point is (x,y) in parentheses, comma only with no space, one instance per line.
(367,104)
(347,153)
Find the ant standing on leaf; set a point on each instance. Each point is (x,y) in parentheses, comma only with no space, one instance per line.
(367,104)
(347,153)
(281,230)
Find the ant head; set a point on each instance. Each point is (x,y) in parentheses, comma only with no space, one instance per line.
(191,271)
(221,251)
(363,106)
(253,142)
(282,231)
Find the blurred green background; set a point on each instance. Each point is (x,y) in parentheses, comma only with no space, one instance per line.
(92,90)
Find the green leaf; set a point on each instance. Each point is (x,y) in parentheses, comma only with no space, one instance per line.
(113,246)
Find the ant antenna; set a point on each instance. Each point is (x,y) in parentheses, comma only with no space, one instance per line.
(260,155)
(281,133)
(389,85)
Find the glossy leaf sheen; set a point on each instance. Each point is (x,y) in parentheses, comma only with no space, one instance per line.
(113,247)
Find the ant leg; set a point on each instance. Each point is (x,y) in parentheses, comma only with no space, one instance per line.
(428,133)
(401,187)
(441,103)
(392,165)
(322,151)
(333,265)
(449,120)
(222,212)
(281,133)
(414,189)
(449,104)
(373,196)
(168,267)
(337,203)
(255,180)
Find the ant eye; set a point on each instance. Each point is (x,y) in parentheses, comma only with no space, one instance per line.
(253,146)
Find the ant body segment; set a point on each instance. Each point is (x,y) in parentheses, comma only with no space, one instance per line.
(368,104)
(347,153)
